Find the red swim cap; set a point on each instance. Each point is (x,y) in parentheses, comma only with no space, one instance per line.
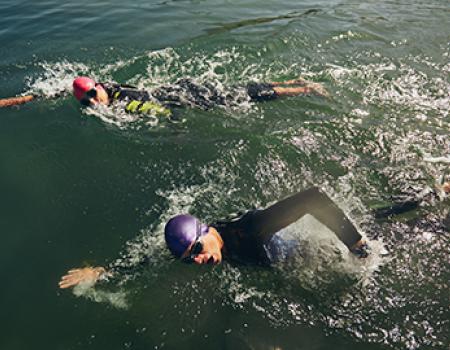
(81,85)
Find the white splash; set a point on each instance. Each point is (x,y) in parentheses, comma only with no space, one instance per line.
(87,290)
(56,79)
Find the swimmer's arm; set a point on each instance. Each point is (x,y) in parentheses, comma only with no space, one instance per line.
(298,86)
(116,272)
(440,192)
(396,209)
(327,212)
(310,89)
(311,201)
(117,85)
(293,91)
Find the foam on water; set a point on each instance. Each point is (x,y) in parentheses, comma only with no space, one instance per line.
(399,85)
(321,259)
(411,161)
(56,79)
(116,115)
(116,299)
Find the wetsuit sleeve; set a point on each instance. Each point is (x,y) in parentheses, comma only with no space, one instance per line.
(121,92)
(396,209)
(312,201)
(401,207)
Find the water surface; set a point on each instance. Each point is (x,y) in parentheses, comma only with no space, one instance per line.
(81,186)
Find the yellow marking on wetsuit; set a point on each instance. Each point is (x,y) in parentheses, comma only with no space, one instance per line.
(154,108)
(132,106)
(116,95)
(148,107)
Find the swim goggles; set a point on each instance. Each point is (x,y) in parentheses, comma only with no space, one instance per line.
(92,93)
(196,248)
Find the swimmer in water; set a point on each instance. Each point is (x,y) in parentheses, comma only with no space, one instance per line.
(254,238)
(185,92)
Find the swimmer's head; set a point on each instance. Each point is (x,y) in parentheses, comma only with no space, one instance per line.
(181,232)
(446,187)
(88,92)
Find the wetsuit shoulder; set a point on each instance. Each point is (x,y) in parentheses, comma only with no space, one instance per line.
(138,101)
(245,238)
(120,92)
(242,241)
(110,88)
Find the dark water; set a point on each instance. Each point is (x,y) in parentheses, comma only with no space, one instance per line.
(79,187)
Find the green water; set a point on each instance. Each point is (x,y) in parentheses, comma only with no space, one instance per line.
(81,186)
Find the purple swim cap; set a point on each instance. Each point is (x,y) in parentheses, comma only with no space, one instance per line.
(181,231)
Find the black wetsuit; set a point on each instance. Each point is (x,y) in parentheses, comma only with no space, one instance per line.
(137,101)
(185,92)
(205,96)
(246,239)
(125,92)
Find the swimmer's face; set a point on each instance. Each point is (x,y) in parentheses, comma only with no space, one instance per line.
(207,250)
(446,187)
(95,96)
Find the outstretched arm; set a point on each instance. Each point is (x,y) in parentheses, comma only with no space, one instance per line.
(293,91)
(298,86)
(129,264)
(440,192)
(14,101)
(312,201)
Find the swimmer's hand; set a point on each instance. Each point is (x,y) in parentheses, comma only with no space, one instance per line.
(317,89)
(360,249)
(76,276)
